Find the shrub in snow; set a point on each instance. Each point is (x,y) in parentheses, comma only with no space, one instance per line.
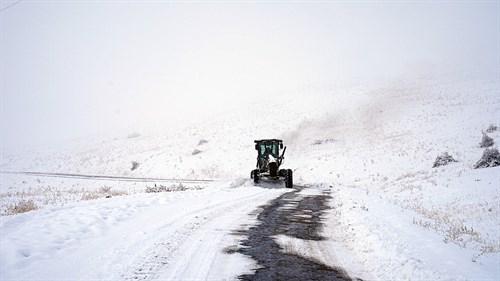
(490,158)
(443,159)
(486,141)
(103,192)
(91,195)
(22,206)
(196,151)
(162,188)
(485,249)
(491,128)
(156,189)
(318,142)
(202,142)
(134,165)
(105,189)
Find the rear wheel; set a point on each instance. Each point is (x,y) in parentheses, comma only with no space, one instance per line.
(288,178)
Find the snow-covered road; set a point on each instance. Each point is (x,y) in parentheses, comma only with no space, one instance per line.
(177,235)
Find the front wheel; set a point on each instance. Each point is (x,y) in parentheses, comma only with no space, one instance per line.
(255,175)
(288,178)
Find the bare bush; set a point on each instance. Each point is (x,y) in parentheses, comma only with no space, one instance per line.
(135,165)
(202,142)
(103,192)
(162,188)
(156,189)
(443,159)
(90,196)
(317,142)
(485,250)
(486,141)
(492,128)
(460,235)
(490,158)
(22,206)
(105,189)
(325,141)
(424,224)
(117,193)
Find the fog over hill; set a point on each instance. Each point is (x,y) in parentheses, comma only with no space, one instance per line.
(77,69)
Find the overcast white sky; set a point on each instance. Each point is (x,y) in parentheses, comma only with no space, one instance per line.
(77,68)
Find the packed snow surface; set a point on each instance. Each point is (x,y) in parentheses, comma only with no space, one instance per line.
(371,146)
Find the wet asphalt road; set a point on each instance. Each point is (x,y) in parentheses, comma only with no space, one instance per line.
(295,216)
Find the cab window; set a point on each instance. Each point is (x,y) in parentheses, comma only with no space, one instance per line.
(262,149)
(268,148)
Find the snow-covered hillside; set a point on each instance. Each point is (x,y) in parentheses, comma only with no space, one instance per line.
(372,145)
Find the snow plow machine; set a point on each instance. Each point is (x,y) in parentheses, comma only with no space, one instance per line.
(269,161)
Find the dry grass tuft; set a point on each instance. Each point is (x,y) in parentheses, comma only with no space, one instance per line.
(103,192)
(162,188)
(22,206)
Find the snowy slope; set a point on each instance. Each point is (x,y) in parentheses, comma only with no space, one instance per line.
(372,144)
